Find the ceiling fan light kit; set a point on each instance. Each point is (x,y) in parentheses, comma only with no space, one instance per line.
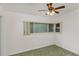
(50,13)
(52,10)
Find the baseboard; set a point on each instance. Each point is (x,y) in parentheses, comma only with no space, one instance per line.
(73,51)
(28,49)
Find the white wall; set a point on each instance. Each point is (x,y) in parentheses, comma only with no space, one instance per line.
(0,27)
(13,40)
(69,39)
(0,35)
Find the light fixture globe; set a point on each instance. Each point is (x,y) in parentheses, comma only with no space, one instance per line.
(50,13)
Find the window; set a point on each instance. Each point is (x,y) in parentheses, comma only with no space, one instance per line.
(51,27)
(38,27)
(31,27)
(26,28)
(57,28)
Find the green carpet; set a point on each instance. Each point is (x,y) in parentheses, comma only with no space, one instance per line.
(52,50)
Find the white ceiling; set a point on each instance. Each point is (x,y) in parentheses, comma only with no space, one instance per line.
(32,8)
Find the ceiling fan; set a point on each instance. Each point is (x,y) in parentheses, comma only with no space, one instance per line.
(51,9)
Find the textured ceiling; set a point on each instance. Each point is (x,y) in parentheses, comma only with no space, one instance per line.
(32,8)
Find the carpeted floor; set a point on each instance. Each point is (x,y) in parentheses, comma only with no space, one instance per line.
(52,50)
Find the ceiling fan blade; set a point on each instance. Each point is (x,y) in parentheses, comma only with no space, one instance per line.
(60,7)
(56,12)
(42,10)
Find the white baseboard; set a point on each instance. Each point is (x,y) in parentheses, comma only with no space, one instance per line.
(16,52)
(45,46)
(68,49)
